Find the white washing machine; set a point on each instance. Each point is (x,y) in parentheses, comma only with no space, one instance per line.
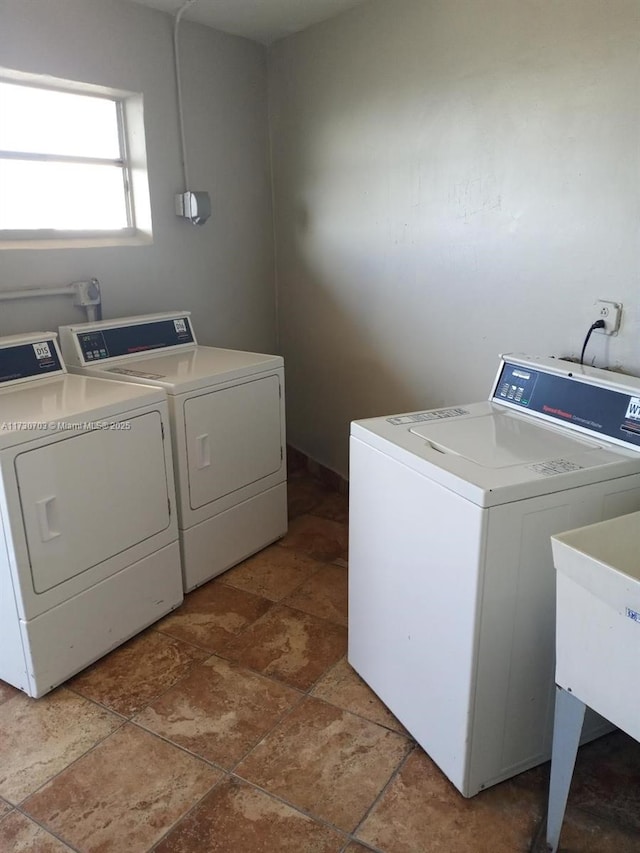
(89,531)
(451,579)
(228,430)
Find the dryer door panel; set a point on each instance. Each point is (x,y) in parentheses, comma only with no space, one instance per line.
(91,496)
(233,438)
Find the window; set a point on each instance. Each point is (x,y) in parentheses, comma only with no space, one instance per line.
(65,165)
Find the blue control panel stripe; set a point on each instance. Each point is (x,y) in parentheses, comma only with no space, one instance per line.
(137,338)
(26,360)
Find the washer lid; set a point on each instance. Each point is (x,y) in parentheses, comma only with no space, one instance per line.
(190,369)
(491,455)
(498,440)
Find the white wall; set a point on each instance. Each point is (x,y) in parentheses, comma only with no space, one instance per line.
(453,179)
(222,271)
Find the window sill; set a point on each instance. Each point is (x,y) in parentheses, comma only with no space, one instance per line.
(139,238)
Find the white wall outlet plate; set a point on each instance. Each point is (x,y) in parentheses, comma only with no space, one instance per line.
(610,312)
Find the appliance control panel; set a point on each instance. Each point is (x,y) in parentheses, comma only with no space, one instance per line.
(609,408)
(32,359)
(99,344)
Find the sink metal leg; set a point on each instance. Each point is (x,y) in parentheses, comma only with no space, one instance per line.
(569,717)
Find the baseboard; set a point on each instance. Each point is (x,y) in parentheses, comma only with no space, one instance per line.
(297,462)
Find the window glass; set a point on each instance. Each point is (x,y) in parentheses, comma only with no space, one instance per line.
(63,164)
(64,196)
(45,121)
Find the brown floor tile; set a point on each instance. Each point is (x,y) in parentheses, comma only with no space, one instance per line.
(18,834)
(123,795)
(292,646)
(136,673)
(7,692)
(326,761)
(536,779)
(421,810)
(324,594)
(236,818)
(304,493)
(212,614)
(342,686)
(584,833)
(40,737)
(606,781)
(319,538)
(219,711)
(273,573)
(334,506)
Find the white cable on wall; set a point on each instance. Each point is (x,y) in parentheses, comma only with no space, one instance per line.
(176,58)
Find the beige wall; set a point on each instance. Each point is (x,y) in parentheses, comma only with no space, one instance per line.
(222,271)
(453,179)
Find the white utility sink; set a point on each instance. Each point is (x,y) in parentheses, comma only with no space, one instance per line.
(597,643)
(598,617)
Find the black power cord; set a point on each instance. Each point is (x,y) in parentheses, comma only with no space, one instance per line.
(599,324)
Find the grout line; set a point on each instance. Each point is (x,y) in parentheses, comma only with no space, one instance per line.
(49,831)
(297,808)
(351,835)
(384,789)
(334,704)
(186,815)
(98,704)
(208,761)
(233,636)
(222,653)
(257,672)
(364,844)
(300,609)
(292,590)
(194,665)
(167,636)
(278,722)
(20,806)
(179,746)
(325,674)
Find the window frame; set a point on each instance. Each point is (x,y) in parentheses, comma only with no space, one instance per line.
(132,163)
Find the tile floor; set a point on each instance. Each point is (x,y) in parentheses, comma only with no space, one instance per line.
(235,725)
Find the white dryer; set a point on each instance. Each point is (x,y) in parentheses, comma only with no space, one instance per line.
(90,551)
(228,430)
(451,579)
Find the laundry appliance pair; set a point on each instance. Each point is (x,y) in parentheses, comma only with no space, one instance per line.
(96,545)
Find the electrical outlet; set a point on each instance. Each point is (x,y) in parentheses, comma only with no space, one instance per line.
(610,312)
